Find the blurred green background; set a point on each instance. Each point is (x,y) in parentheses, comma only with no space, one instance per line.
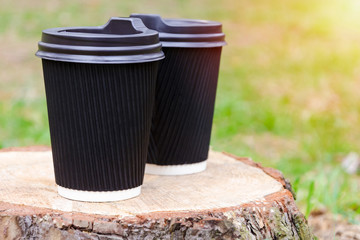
(288,93)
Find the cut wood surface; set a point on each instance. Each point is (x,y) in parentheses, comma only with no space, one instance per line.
(234,198)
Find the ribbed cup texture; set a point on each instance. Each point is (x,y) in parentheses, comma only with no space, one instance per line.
(184,106)
(100,119)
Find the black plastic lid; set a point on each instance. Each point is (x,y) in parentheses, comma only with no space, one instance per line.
(120,40)
(187,33)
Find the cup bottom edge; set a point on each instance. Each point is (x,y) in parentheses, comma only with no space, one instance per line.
(174,170)
(98,196)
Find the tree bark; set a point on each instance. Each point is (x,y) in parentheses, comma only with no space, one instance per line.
(235,198)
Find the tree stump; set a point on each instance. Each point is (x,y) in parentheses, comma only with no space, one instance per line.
(234,198)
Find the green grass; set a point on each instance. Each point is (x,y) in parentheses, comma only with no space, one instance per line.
(23,123)
(288,88)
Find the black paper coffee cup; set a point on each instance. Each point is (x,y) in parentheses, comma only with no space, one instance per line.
(100,90)
(185,94)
